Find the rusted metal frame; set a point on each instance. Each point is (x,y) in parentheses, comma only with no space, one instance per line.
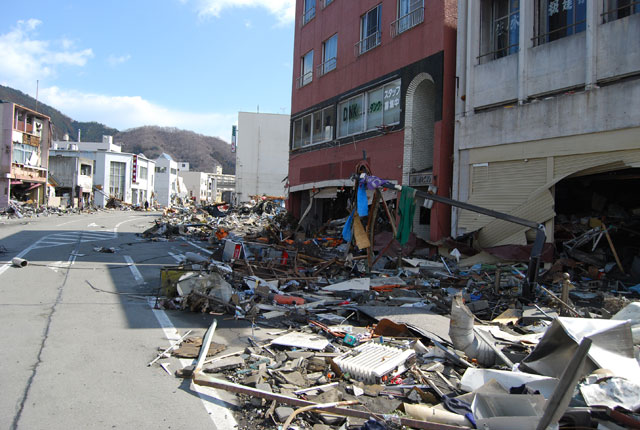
(208,381)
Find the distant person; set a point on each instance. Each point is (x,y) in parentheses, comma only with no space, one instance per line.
(146,205)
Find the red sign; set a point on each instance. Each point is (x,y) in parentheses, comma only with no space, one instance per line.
(134,169)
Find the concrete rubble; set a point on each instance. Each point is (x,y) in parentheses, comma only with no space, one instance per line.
(375,334)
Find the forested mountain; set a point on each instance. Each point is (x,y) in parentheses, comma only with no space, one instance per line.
(202,152)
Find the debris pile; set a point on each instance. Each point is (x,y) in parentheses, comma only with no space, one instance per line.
(365,328)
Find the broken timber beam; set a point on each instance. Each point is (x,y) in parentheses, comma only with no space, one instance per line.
(208,381)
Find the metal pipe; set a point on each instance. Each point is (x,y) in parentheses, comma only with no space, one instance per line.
(19,262)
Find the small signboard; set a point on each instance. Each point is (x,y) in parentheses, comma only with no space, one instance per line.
(420,179)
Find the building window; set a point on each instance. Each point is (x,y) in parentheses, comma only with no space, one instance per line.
(85,169)
(616,9)
(329,55)
(370,34)
(309,11)
(410,14)
(161,170)
(117,179)
(306,69)
(382,109)
(25,154)
(325,3)
(314,128)
(500,29)
(560,18)
(143,172)
(174,171)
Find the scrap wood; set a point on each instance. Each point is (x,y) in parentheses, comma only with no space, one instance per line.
(178,342)
(208,381)
(318,406)
(567,306)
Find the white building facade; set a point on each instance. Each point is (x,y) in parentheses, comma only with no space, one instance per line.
(200,186)
(262,155)
(548,98)
(166,181)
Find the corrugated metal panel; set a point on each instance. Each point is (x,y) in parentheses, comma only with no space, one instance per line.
(571,164)
(502,186)
(540,208)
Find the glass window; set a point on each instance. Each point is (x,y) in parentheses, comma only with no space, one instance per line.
(174,171)
(616,9)
(374,108)
(318,135)
(309,11)
(297,133)
(306,73)
(329,122)
(499,29)
(560,18)
(329,54)
(143,173)
(351,116)
(370,29)
(410,14)
(306,130)
(391,103)
(117,179)
(85,169)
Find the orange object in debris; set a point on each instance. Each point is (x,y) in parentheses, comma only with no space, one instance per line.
(288,300)
(221,233)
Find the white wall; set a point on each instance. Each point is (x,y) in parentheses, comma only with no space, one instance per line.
(262,154)
(165,182)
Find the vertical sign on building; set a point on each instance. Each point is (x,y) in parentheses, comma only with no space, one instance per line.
(234,130)
(134,169)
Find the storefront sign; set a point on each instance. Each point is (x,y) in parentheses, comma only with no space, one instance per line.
(420,179)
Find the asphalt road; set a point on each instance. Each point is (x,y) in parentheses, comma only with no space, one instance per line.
(79,329)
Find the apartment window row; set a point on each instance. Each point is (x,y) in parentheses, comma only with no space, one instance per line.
(554,19)
(364,112)
(410,13)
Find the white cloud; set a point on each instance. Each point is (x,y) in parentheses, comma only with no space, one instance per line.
(114,60)
(26,59)
(123,112)
(283,10)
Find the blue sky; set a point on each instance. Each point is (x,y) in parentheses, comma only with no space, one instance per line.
(191,64)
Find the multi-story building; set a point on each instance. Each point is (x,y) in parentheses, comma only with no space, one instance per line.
(225,186)
(200,186)
(374,81)
(547,112)
(25,137)
(261,154)
(166,183)
(126,177)
(74,179)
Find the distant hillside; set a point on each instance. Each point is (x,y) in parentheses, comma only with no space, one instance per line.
(202,152)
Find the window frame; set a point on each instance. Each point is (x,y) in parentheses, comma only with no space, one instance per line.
(544,33)
(612,10)
(328,64)
(364,45)
(306,77)
(489,21)
(308,11)
(301,141)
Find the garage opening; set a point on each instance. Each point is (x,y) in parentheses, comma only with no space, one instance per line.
(590,208)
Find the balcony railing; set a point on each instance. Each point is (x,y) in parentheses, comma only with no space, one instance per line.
(304,79)
(308,15)
(368,43)
(406,22)
(327,66)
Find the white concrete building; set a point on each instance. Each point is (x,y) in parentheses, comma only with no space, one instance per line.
(548,100)
(200,186)
(125,176)
(73,176)
(262,155)
(142,180)
(166,181)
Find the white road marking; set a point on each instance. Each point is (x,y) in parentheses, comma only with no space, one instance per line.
(178,257)
(93,224)
(134,270)
(220,415)
(199,247)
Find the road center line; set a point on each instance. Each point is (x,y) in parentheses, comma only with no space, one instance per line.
(220,415)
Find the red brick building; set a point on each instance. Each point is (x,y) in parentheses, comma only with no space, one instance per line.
(374,77)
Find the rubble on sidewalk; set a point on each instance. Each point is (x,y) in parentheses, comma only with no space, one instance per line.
(413,334)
